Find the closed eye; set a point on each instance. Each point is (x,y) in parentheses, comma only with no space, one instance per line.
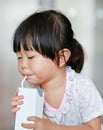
(19,58)
(31,57)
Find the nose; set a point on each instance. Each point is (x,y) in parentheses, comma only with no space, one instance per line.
(24,63)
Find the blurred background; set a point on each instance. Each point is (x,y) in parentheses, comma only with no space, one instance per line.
(87,21)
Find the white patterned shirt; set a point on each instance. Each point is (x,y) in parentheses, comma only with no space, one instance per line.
(81,101)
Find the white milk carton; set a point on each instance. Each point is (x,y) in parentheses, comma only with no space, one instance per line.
(32,106)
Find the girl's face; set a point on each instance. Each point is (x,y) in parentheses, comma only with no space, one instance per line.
(38,69)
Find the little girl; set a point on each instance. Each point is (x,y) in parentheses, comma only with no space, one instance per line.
(52,59)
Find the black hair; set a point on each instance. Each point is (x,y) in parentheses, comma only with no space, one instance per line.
(48,32)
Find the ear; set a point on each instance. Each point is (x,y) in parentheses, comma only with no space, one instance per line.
(64,56)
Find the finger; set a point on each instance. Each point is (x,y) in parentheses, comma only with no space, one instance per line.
(29,126)
(18,98)
(15,109)
(14,103)
(33,118)
(16,92)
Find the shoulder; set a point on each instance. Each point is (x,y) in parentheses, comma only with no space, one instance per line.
(80,85)
(78,79)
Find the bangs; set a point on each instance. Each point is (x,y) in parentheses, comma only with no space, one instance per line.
(27,39)
(20,42)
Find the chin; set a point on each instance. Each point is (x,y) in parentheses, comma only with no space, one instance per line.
(32,83)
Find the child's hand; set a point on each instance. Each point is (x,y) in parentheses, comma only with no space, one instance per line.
(16,100)
(39,124)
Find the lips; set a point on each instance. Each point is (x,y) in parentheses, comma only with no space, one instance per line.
(27,75)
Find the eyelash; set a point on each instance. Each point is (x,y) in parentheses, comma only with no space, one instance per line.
(19,58)
(31,57)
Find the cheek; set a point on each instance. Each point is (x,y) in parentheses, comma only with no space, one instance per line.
(35,67)
(43,67)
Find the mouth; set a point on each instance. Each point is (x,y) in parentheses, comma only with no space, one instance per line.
(27,76)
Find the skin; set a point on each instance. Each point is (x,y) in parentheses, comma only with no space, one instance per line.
(49,76)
